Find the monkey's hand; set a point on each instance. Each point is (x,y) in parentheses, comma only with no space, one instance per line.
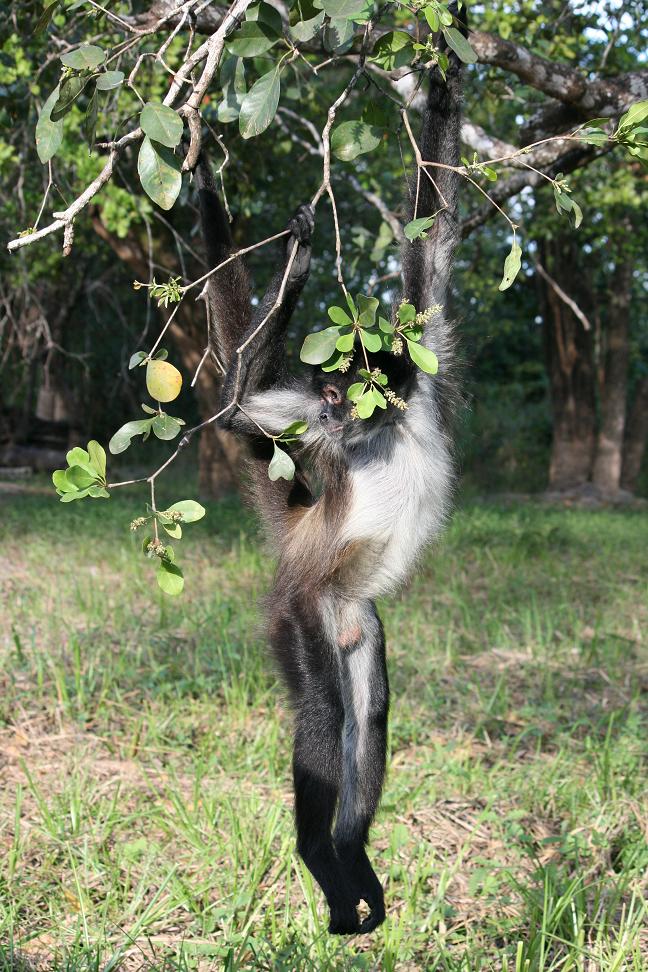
(301,228)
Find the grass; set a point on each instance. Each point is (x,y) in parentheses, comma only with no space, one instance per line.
(145,815)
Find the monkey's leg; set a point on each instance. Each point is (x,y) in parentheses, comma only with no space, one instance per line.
(309,665)
(365,694)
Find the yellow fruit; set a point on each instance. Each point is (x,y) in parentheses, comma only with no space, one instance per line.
(163,381)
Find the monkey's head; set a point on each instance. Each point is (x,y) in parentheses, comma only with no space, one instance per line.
(335,409)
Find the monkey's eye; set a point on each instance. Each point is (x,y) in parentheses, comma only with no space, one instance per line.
(332,395)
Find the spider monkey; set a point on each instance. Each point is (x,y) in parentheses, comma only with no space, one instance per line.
(367,496)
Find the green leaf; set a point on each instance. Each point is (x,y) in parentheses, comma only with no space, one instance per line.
(334,362)
(97,456)
(348,9)
(165,426)
(351,304)
(367,307)
(406,312)
(633,116)
(318,347)
(49,134)
(393,50)
(252,39)
(162,124)
(161,355)
(345,342)
(84,58)
(159,172)
(339,316)
(305,30)
(459,45)
(147,408)
(565,204)
(265,13)
(43,21)
(259,106)
(366,405)
(281,465)
(379,398)
(79,457)
(432,18)
(415,229)
(232,79)
(295,428)
(60,480)
(90,120)
(109,80)
(512,265)
(423,357)
(122,437)
(80,477)
(355,390)
(76,495)
(98,492)
(337,35)
(136,359)
(592,136)
(190,509)
(386,326)
(173,529)
(69,91)
(170,578)
(372,340)
(354,138)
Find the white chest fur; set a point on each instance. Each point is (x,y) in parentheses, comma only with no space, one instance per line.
(398,503)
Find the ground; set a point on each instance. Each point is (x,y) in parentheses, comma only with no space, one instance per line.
(145,815)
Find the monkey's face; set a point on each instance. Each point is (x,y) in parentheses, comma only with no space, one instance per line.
(335,408)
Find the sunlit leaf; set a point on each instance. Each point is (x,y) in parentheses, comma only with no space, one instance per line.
(190,509)
(512,265)
(170,578)
(353,138)
(318,347)
(281,465)
(423,357)
(163,381)
(161,123)
(416,228)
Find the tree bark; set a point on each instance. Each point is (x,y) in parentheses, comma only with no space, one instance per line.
(606,472)
(219,453)
(636,435)
(569,357)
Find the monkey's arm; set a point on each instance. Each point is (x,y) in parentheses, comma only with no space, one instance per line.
(261,365)
(228,290)
(427,263)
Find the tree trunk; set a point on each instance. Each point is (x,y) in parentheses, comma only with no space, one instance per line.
(219,453)
(570,368)
(606,472)
(635,437)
